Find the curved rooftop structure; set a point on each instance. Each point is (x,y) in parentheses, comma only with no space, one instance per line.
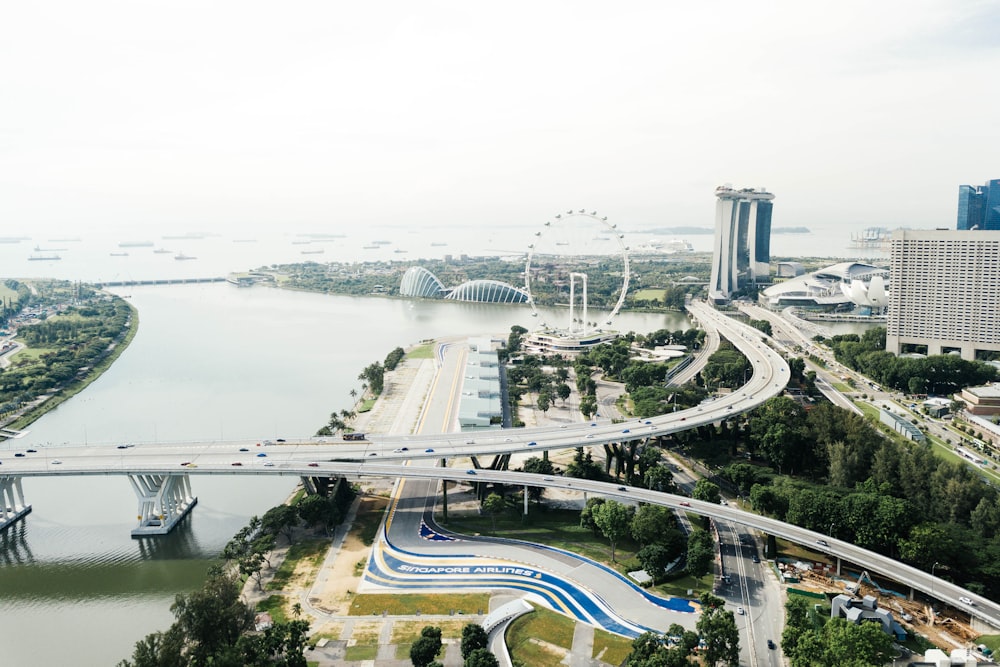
(833,287)
(488,291)
(421,283)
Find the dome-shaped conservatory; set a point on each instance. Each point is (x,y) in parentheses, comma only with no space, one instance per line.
(419,282)
(488,291)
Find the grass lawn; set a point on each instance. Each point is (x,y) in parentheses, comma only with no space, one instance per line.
(361,652)
(555,628)
(422,352)
(611,648)
(275,606)
(991,641)
(649,294)
(552,527)
(366,405)
(423,603)
(680,586)
(32,354)
(366,633)
(7,294)
(403,631)
(368,519)
(309,551)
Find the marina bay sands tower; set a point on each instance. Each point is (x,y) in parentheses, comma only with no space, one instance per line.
(742,252)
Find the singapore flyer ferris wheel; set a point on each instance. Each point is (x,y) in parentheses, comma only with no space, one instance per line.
(577,232)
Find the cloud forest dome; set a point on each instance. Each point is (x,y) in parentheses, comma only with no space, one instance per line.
(420,283)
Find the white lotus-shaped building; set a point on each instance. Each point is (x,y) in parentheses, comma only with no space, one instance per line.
(873,294)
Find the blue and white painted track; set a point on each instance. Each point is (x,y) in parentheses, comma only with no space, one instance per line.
(395,568)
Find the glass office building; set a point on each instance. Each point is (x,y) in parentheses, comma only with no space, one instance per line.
(979,206)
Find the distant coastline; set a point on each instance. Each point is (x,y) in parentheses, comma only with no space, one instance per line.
(691,231)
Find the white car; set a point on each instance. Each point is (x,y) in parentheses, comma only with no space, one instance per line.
(965,600)
(268,464)
(739,610)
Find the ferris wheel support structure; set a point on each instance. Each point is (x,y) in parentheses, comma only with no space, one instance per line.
(568,217)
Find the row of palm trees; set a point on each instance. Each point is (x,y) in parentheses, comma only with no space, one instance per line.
(339,420)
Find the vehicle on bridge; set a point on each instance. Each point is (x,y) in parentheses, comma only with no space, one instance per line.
(353,436)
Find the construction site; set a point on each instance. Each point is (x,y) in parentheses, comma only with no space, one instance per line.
(944,626)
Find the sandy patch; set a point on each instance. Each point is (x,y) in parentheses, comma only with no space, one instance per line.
(344,574)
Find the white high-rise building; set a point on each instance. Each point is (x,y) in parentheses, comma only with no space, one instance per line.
(742,252)
(945,292)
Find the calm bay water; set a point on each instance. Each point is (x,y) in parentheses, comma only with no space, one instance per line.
(209,362)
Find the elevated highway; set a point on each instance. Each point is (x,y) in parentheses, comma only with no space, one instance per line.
(385,456)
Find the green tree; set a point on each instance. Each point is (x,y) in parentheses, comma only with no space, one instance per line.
(778,430)
(544,402)
(655,559)
(650,524)
(717,628)
(587,514)
(613,519)
(473,637)
(707,491)
(493,505)
(281,519)
(426,647)
(481,657)
(659,478)
(699,553)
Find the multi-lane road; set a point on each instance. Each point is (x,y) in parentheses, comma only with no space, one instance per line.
(375,457)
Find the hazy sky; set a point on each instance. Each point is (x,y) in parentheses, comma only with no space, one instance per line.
(332,115)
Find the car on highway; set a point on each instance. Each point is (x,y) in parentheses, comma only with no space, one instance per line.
(56,462)
(31,451)
(965,600)
(532,443)
(186,464)
(547,479)
(19,455)
(122,447)
(313,465)
(771,645)
(739,610)
(685,503)
(622,488)
(269,464)
(626,431)
(261,454)
(373,454)
(822,543)
(470,442)
(470,471)
(683,418)
(590,435)
(429,451)
(754,558)
(237,463)
(244,449)
(280,440)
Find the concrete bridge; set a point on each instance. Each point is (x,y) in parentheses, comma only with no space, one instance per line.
(163,281)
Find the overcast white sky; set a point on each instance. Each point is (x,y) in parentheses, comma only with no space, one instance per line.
(330,115)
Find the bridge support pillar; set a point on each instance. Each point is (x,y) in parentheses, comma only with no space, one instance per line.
(163,501)
(525,501)
(12,505)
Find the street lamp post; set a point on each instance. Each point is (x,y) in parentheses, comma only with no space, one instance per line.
(932,576)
